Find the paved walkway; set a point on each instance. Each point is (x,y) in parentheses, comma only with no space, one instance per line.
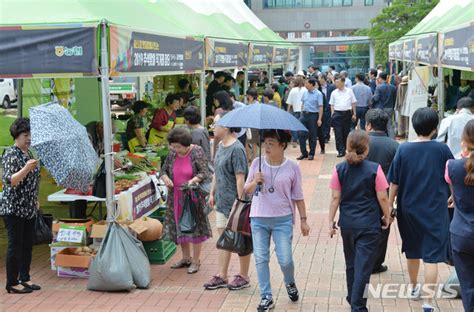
(320,272)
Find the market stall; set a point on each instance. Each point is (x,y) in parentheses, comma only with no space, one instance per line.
(442,40)
(84,39)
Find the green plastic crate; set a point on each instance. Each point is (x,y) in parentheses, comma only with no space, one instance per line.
(159,251)
(159,214)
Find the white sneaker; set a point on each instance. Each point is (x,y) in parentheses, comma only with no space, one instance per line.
(415,293)
(428,308)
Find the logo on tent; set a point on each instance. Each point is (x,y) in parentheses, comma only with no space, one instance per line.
(63,50)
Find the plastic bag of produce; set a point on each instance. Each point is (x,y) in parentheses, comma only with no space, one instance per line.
(138,259)
(110,270)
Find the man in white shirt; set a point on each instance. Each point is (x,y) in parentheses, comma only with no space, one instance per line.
(343,110)
(453,126)
(294,102)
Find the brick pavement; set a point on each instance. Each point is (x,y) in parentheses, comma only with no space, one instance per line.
(319,262)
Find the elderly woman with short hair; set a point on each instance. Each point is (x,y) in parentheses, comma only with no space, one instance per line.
(185,164)
(19,207)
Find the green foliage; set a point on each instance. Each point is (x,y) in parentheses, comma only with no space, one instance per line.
(393,22)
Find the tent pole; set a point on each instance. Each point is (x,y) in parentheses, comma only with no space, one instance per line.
(104,73)
(202,97)
(19,99)
(246,80)
(270,77)
(440,87)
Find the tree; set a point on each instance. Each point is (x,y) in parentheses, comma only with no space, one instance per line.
(393,22)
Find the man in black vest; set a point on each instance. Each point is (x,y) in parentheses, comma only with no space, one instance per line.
(382,150)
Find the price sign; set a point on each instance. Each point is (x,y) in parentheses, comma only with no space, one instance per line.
(71,234)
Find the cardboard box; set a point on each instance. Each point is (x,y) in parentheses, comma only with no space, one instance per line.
(73,272)
(99,229)
(67,258)
(54,251)
(87,224)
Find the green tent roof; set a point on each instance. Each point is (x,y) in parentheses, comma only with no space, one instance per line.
(196,18)
(447,14)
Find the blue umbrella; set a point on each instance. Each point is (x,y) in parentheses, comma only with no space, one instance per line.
(261,117)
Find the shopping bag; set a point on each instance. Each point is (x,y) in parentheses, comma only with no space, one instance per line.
(110,269)
(239,218)
(188,218)
(43,234)
(235,242)
(137,258)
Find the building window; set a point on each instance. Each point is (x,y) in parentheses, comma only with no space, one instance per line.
(368,2)
(291,35)
(290,4)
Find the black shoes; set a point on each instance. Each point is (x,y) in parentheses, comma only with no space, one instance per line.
(25,290)
(382,268)
(266,304)
(339,155)
(323,152)
(302,157)
(292,292)
(311,157)
(30,286)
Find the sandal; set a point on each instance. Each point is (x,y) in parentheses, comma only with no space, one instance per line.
(194,267)
(183,263)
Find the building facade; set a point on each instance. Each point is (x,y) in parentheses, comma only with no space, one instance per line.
(313,21)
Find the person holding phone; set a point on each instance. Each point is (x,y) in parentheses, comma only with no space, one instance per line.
(359,189)
(19,207)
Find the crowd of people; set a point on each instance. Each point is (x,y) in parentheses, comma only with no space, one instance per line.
(378,182)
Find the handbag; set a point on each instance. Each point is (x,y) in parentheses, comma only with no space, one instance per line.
(188,218)
(235,242)
(43,234)
(239,218)
(98,189)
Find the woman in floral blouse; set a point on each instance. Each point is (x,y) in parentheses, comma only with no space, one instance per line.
(186,164)
(19,206)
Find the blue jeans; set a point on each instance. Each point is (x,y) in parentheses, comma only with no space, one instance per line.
(281,228)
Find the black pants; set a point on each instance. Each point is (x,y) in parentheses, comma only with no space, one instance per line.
(360,247)
(20,244)
(309,120)
(326,123)
(382,249)
(463,254)
(341,122)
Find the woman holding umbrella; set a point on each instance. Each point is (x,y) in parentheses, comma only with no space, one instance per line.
(273,212)
(19,206)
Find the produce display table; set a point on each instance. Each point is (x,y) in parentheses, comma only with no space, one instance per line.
(140,200)
(76,202)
